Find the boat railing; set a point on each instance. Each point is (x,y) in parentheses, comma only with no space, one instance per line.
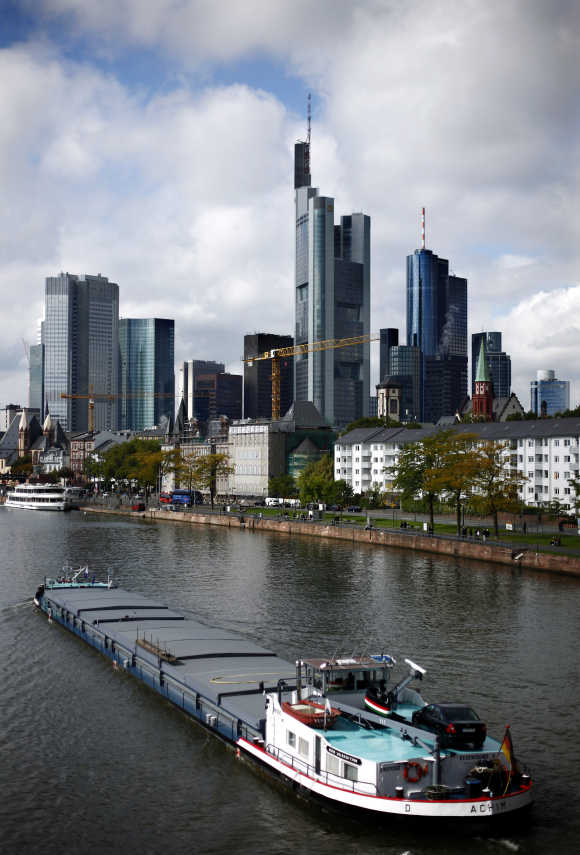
(366,788)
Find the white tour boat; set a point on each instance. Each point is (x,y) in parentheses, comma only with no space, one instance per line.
(38,497)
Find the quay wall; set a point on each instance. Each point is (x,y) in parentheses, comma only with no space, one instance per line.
(548,562)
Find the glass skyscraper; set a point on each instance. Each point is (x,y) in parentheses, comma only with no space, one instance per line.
(36,379)
(437,325)
(147,372)
(548,395)
(332,301)
(499,363)
(80,334)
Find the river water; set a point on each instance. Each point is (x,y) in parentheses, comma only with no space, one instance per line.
(91,761)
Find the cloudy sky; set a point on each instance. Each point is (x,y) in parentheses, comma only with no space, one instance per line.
(151,141)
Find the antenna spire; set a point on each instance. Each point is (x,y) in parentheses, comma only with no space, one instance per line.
(422,228)
(308,116)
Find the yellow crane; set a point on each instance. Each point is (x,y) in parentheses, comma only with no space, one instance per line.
(278,353)
(109,396)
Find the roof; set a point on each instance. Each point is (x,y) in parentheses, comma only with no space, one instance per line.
(304,414)
(482,374)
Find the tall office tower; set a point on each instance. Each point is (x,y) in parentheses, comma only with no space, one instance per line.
(499,363)
(548,395)
(406,366)
(389,337)
(80,334)
(332,300)
(437,324)
(218,395)
(36,379)
(188,373)
(147,373)
(258,376)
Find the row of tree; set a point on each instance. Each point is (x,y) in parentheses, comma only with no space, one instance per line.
(144,463)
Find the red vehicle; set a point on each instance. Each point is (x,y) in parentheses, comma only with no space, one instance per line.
(165,498)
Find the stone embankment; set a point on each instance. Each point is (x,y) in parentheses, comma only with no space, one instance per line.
(438,544)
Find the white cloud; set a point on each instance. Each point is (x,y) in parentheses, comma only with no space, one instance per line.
(185,198)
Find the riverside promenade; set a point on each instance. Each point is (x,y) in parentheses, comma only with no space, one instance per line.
(404,539)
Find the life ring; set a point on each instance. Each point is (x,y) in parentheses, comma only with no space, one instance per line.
(418,773)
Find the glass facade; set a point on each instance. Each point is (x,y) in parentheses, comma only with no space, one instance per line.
(407,362)
(549,395)
(80,334)
(437,325)
(332,301)
(258,376)
(147,375)
(388,338)
(36,379)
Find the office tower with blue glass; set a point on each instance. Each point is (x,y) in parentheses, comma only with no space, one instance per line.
(499,363)
(80,334)
(437,325)
(548,395)
(147,372)
(389,337)
(332,300)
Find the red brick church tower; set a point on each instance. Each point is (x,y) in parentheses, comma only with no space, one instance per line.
(482,404)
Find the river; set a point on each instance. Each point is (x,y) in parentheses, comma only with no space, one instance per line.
(91,761)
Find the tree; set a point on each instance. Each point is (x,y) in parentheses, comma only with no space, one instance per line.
(316,481)
(496,486)
(22,466)
(370,422)
(207,469)
(343,493)
(416,472)
(457,468)
(282,487)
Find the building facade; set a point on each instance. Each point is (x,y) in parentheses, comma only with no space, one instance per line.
(389,337)
(545,452)
(548,395)
(258,376)
(437,325)
(332,300)
(36,378)
(80,334)
(147,382)
(187,384)
(499,363)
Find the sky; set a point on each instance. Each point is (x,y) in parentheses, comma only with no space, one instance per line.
(152,141)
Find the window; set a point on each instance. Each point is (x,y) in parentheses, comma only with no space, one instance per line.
(291,738)
(556,459)
(530,443)
(556,442)
(566,442)
(332,764)
(566,474)
(566,458)
(350,772)
(530,489)
(531,459)
(556,475)
(567,490)
(556,490)
(303,747)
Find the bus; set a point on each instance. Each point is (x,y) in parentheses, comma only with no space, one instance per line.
(188,498)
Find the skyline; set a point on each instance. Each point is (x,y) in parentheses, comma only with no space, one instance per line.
(153,143)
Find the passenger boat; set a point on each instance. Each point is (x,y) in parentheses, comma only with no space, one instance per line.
(254,701)
(38,497)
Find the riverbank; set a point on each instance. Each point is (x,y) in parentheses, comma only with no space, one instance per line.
(440,545)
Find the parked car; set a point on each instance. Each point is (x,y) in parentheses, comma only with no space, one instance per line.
(456,724)
(138,506)
(354,509)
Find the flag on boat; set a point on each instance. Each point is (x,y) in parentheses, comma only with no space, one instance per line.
(507,750)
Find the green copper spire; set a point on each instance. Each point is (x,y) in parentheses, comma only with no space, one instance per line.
(482,374)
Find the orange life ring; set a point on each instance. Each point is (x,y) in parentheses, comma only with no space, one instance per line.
(418,774)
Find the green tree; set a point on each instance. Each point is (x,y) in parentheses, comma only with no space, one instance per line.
(370,422)
(136,460)
(208,468)
(343,493)
(282,487)
(316,481)
(22,466)
(496,485)
(457,468)
(416,472)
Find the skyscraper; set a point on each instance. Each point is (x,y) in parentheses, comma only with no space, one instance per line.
(499,363)
(389,337)
(258,376)
(437,325)
(80,334)
(332,300)
(548,395)
(147,372)
(36,379)
(187,386)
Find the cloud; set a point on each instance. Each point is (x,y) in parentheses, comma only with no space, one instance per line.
(183,194)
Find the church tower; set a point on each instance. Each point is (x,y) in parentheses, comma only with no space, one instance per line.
(482,405)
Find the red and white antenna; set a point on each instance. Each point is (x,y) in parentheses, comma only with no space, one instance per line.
(422,228)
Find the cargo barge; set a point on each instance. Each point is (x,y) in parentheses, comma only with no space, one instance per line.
(306,723)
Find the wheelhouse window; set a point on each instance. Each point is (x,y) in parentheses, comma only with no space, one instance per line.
(291,738)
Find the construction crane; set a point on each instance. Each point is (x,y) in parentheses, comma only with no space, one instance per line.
(279,353)
(110,396)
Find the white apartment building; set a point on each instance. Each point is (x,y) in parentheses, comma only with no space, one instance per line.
(545,451)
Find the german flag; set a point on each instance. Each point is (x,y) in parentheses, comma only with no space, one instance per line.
(507,749)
